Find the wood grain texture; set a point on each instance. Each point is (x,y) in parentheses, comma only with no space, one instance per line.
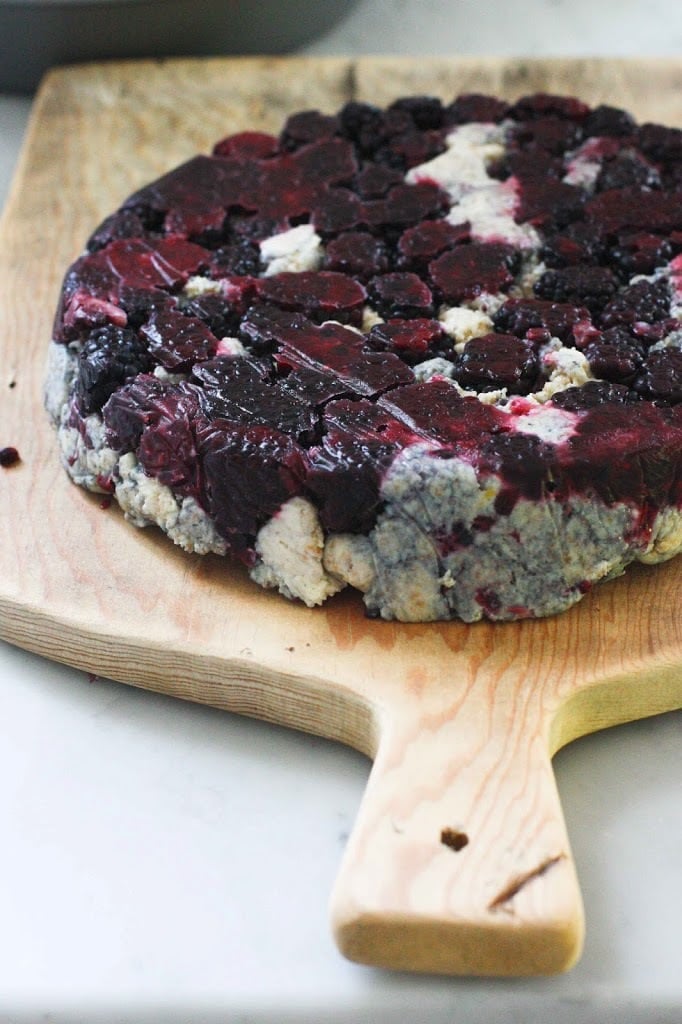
(459,861)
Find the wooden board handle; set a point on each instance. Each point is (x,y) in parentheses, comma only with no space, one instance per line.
(459,862)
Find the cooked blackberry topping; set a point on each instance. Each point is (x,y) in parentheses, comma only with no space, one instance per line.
(470,270)
(110,357)
(593,287)
(627,169)
(643,302)
(661,376)
(425,111)
(413,340)
(311,406)
(518,316)
(358,254)
(606,120)
(475,107)
(616,356)
(497,361)
(307,126)
(400,294)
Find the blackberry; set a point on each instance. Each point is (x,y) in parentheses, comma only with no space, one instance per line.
(307,126)
(421,244)
(246,146)
(322,295)
(661,376)
(524,462)
(639,253)
(357,253)
(375,180)
(588,286)
(405,205)
(543,104)
(400,294)
(627,169)
(661,144)
(426,111)
(470,270)
(592,394)
(577,243)
(643,302)
(413,340)
(122,224)
(530,165)
(110,356)
(518,316)
(177,341)
(262,325)
(631,208)
(248,473)
(497,361)
(239,390)
(616,356)
(475,107)
(212,309)
(239,256)
(338,210)
(551,135)
(360,440)
(549,205)
(140,303)
(364,125)
(409,149)
(606,120)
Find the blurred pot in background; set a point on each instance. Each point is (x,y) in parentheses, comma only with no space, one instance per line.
(36,34)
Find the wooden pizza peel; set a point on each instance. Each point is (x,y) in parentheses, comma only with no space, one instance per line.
(459,861)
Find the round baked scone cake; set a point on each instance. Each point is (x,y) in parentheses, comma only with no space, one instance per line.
(432,352)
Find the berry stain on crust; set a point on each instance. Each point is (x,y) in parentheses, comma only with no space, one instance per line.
(463,362)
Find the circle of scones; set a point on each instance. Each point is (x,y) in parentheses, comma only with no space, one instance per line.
(433,352)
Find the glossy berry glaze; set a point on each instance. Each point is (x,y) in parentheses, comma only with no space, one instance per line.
(317,400)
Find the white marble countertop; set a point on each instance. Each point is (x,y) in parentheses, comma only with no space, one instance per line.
(162,862)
